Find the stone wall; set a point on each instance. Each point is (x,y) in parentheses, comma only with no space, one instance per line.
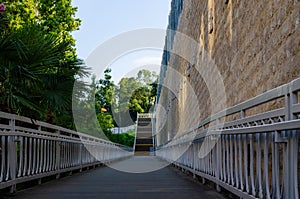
(253,45)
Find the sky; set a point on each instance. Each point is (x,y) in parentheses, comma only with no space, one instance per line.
(105,19)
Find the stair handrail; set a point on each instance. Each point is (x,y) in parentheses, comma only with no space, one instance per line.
(136,127)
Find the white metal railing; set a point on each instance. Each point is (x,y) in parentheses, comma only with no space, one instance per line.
(135,136)
(252,156)
(144,115)
(119,130)
(32,150)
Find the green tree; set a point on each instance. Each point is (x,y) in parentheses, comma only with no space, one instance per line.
(135,95)
(125,90)
(140,101)
(104,99)
(146,77)
(105,95)
(32,74)
(56,17)
(25,55)
(153,88)
(36,77)
(105,122)
(132,95)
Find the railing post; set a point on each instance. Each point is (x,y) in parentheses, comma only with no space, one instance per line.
(290,184)
(80,156)
(58,144)
(153,132)
(218,159)
(290,172)
(294,148)
(193,148)
(241,143)
(11,154)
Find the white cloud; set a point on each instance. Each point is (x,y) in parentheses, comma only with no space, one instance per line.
(148,61)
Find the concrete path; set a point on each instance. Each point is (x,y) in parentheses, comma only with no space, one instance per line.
(108,183)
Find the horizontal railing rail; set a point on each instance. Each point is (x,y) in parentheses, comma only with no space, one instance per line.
(31,149)
(144,115)
(253,156)
(120,130)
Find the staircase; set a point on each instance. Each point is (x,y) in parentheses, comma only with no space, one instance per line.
(144,141)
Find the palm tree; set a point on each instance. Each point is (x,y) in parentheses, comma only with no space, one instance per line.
(57,88)
(35,76)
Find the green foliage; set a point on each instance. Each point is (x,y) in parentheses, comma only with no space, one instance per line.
(125,89)
(140,100)
(106,92)
(105,121)
(135,95)
(131,132)
(37,72)
(25,56)
(145,77)
(131,96)
(123,138)
(56,17)
(104,97)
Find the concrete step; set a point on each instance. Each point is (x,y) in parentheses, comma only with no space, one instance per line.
(143,147)
(142,153)
(145,135)
(144,124)
(139,129)
(144,141)
(144,132)
(144,120)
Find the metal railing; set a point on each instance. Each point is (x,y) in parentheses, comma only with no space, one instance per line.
(144,115)
(254,156)
(120,130)
(32,150)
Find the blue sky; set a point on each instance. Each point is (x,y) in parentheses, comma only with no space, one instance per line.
(104,19)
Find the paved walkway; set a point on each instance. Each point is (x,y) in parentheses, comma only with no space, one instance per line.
(108,183)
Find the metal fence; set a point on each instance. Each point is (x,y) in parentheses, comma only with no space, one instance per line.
(120,130)
(32,150)
(144,115)
(252,156)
